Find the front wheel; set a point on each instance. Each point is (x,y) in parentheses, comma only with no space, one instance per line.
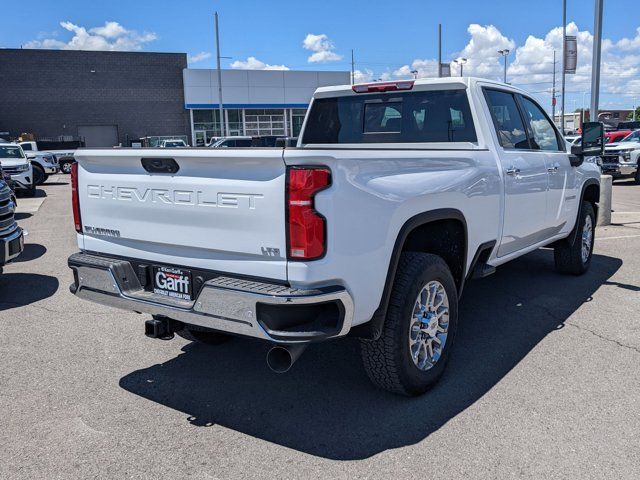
(39,176)
(575,258)
(419,330)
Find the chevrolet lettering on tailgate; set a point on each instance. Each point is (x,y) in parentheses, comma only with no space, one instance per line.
(175,197)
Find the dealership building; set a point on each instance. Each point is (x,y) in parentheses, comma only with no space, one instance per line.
(255,102)
(118,98)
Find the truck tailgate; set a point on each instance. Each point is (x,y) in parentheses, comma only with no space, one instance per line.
(222,210)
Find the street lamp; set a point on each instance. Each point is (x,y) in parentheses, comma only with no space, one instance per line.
(504,53)
(461,62)
(415,73)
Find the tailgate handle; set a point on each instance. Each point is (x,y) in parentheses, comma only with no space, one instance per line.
(160,165)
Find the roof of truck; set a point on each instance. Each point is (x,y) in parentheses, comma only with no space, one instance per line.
(420,82)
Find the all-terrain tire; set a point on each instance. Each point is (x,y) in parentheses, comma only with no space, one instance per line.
(568,257)
(387,360)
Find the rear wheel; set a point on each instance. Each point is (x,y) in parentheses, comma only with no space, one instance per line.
(65,166)
(575,258)
(419,330)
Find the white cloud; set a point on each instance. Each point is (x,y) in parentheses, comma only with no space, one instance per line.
(252,63)
(424,67)
(362,76)
(481,52)
(111,37)
(322,48)
(530,64)
(630,43)
(198,57)
(110,30)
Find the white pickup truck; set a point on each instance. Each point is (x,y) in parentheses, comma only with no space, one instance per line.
(47,162)
(395,196)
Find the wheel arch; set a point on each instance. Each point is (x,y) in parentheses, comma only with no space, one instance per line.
(590,193)
(451,226)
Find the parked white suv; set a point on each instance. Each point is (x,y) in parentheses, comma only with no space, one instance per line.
(397,194)
(17,165)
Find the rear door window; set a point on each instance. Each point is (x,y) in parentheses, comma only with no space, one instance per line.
(397,117)
(507,119)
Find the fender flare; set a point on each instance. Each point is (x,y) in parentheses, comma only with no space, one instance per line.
(574,231)
(373,328)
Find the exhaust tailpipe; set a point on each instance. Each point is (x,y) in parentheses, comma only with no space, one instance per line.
(282,357)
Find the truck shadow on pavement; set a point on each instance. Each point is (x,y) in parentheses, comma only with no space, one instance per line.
(20,289)
(31,251)
(325,406)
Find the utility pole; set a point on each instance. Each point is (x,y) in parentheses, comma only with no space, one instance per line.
(222,129)
(439,50)
(553,92)
(353,69)
(564,59)
(595,67)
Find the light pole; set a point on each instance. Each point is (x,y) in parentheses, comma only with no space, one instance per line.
(461,62)
(595,67)
(504,53)
(564,54)
(220,107)
(415,74)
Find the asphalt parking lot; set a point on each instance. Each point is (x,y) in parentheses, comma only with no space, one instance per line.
(544,381)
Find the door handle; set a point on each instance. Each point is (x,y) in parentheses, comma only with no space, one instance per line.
(512,171)
(553,169)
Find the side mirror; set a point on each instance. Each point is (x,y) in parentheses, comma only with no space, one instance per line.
(593,139)
(592,143)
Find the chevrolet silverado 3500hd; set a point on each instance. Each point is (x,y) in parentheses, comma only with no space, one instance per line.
(395,196)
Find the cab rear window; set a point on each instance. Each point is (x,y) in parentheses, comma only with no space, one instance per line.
(398,117)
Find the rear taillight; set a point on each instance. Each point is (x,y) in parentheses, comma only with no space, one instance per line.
(383,86)
(306,227)
(75,200)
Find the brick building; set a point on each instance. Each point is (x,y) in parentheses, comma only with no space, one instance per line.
(107,98)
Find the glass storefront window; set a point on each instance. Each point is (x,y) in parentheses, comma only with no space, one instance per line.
(257,122)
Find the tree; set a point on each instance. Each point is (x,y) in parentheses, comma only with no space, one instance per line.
(637,116)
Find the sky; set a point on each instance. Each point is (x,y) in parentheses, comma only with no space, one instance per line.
(389,39)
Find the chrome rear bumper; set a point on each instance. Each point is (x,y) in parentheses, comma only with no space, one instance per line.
(224,303)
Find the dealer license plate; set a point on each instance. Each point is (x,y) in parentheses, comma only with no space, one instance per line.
(172,282)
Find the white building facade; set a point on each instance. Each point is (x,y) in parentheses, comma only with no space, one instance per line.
(254,102)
